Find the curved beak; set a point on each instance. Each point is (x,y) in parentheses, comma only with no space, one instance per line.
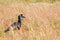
(23,16)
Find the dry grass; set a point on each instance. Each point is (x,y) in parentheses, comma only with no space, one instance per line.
(41,23)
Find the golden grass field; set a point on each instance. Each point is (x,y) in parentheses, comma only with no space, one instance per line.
(42,21)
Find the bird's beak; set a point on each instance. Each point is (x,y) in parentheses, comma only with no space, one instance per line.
(23,16)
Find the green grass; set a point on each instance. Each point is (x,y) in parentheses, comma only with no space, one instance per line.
(1,35)
(8,2)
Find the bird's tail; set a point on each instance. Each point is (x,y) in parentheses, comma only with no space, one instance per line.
(7,29)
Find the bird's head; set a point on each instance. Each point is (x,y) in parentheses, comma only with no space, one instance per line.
(21,16)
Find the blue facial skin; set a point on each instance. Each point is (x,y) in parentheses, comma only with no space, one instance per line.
(16,24)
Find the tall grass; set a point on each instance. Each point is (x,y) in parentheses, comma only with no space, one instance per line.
(8,2)
(39,24)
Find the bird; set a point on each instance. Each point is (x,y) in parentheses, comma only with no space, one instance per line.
(16,24)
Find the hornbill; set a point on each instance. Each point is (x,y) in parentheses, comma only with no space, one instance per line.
(16,24)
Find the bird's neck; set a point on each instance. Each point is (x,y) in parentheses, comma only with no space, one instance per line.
(19,21)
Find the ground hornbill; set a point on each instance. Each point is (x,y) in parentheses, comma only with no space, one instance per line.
(16,24)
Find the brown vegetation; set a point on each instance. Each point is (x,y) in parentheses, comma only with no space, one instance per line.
(42,21)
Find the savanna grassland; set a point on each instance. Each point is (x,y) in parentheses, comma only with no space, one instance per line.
(41,22)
